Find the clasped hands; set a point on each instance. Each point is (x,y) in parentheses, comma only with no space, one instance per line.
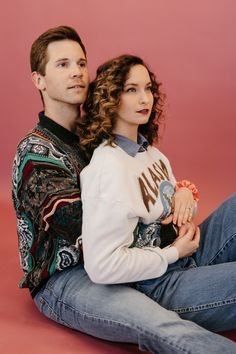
(188,233)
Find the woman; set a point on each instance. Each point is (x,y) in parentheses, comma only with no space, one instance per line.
(129,189)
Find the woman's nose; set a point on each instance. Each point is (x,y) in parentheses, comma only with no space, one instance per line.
(143,98)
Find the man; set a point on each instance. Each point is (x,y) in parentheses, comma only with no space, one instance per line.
(46,196)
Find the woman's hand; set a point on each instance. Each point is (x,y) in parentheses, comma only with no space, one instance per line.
(182,206)
(188,240)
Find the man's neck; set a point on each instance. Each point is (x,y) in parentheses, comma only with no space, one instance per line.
(65,115)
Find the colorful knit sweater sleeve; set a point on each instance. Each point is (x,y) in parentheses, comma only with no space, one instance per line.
(47,201)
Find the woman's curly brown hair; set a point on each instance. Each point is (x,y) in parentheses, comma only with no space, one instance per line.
(103,101)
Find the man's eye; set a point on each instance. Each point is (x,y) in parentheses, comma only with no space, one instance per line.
(149,88)
(83,64)
(62,65)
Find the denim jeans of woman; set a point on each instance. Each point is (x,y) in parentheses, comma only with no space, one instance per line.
(196,297)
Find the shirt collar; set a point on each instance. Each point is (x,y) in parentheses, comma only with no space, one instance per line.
(129,146)
(62,133)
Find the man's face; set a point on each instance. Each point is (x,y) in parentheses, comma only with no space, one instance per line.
(66,75)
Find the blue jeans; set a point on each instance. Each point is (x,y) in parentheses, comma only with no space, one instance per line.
(123,314)
(202,288)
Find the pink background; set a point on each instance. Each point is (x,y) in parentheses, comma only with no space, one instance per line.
(190,45)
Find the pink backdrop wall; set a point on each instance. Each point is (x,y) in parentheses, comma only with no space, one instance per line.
(191,47)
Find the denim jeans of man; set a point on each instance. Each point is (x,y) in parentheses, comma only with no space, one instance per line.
(200,291)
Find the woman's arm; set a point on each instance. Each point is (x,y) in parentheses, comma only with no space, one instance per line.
(107,233)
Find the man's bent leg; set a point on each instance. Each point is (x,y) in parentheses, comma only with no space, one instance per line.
(120,313)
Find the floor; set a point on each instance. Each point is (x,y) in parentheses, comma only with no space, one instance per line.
(23,329)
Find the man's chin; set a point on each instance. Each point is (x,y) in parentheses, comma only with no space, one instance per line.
(77,102)
(80,100)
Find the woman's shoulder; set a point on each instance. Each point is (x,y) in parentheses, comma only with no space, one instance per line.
(105,157)
(105,174)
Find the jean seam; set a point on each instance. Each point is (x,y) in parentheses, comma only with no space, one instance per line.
(202,307)
(165,341)
(53,315)
(222,249)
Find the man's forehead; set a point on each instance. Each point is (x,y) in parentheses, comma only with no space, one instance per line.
(64,49)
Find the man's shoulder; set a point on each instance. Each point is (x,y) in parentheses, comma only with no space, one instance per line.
(37,135)
(39,148)
(38,142)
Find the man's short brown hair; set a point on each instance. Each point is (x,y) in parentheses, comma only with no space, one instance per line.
(38,53)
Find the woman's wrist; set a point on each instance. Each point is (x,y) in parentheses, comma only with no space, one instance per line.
(191,186)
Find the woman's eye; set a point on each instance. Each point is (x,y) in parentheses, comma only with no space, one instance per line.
(131,89)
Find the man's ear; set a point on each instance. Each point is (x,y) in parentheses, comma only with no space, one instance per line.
(38,80)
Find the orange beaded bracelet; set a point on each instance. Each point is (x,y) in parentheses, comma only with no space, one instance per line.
(187,184)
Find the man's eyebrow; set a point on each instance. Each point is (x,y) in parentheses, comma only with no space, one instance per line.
(61,59)
(82,60)
(64,59)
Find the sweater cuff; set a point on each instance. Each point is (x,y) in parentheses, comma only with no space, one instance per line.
(171,254)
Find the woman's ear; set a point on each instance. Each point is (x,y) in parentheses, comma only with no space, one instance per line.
(38,80)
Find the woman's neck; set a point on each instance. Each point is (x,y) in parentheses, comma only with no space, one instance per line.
(131,134)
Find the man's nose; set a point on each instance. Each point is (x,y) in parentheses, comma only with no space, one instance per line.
(76,71)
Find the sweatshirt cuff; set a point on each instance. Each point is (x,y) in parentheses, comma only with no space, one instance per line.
(171,254)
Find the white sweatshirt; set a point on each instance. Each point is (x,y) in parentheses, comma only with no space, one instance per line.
(118,192)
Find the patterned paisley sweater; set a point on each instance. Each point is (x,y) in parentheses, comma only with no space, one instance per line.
(46,196)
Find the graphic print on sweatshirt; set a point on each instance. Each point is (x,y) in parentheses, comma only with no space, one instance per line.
(155,186)
(150,182)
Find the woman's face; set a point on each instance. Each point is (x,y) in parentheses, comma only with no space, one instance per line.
(136,101)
